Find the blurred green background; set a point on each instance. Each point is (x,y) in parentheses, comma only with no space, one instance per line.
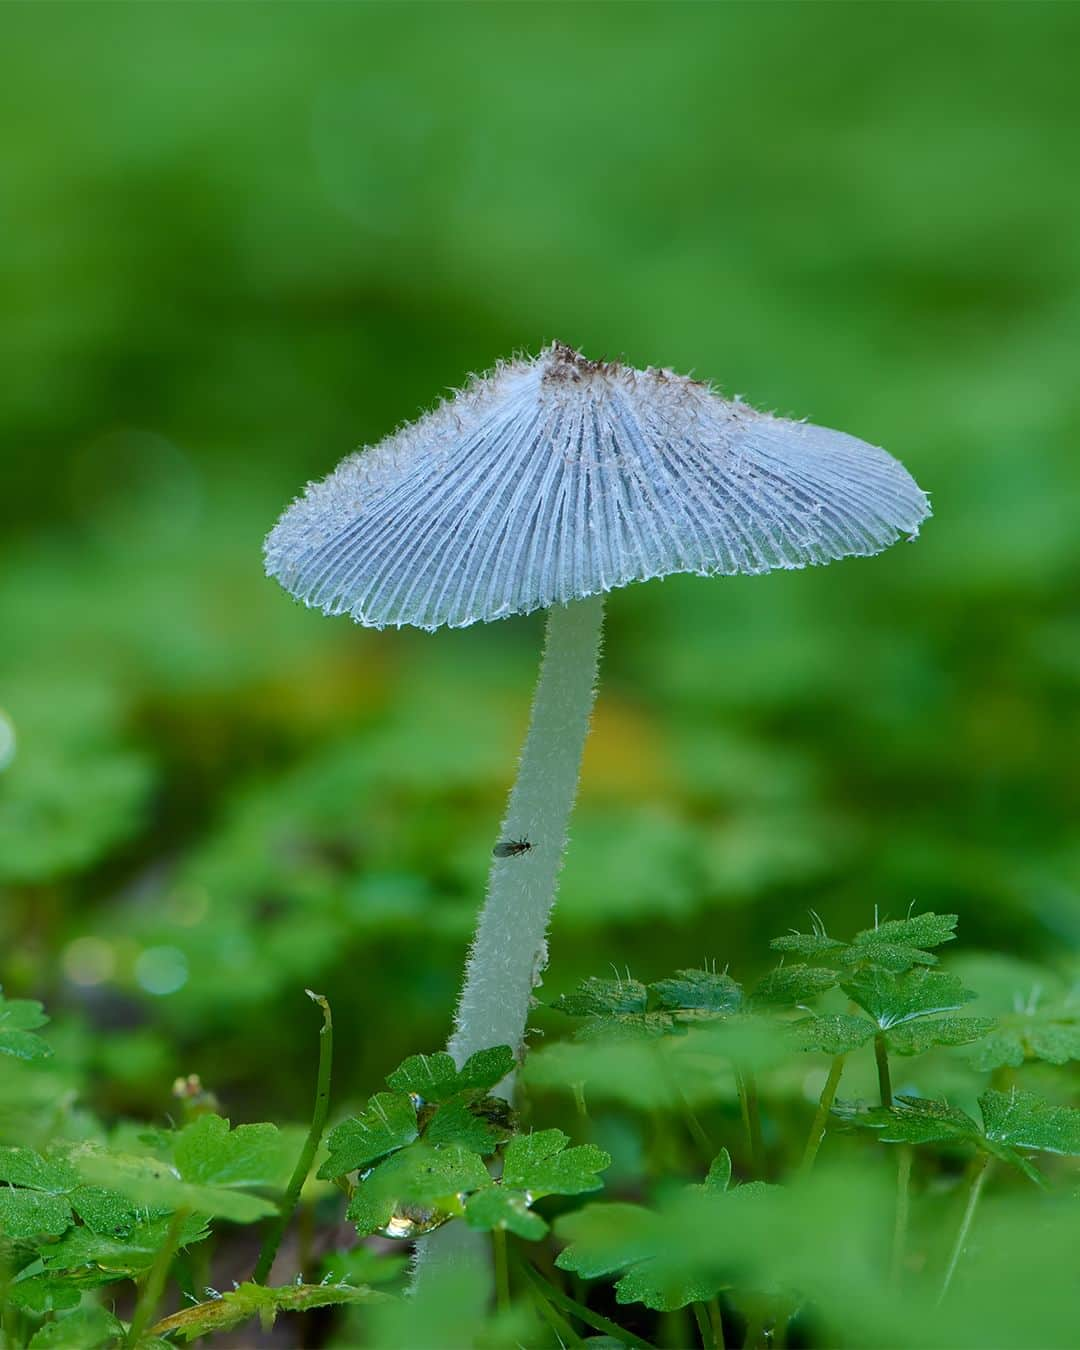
(237,241)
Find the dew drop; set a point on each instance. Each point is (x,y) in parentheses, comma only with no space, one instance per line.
(411,1222)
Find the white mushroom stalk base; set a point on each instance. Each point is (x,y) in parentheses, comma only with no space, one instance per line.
(509,953)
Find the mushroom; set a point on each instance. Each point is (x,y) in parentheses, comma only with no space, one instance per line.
(544,485)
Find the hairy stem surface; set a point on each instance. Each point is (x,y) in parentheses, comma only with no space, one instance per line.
(510,950)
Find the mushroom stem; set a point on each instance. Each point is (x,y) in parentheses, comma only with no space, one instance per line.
(509,952)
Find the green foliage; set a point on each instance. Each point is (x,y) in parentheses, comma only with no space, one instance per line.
(701,992)
(534,1166)
(914,1037)
(74,788)
(498,1207)
(601,998)
(148,1181)
(28,1214)
(809,945)
(19,1019)
(24,1167)
(88,1213)
(103,1211)
(98,1258)
(1037,1013)
(438,1147)
(44,1195)
(1053,1037)
(891,983)
(832,1033)
(541,1164)
(389,1122)
(646,1073)
(899,944)
(902,1006)
(40,1294)
(1023,1120)
(667,1264)
(696,1244)
(1012,1123)
(434,1078)
(427,1142)
(787,986)
(207,1152)
(895,945)
(883,971)
(83,1329)
(415,1190)
(431,1099)
(894,999)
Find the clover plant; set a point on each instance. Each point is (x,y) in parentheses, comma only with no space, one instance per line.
(750,1203)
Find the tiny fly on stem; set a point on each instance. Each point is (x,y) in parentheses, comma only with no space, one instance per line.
(511,848)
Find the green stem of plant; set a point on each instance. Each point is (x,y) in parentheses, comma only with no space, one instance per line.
(154,1284)
(748,1099)
(696,1130)
(881,1055)
(717,1320)
(13,1337)
(709,1324)
(903,1209)
(821,1115)
(307,1154)
(755,1332)
(502,1273)
(564,1332)
(979,1169)
(579,1310)
(305,1224)
(694,1126)
(784,1313)
(560,1325)
(510,950)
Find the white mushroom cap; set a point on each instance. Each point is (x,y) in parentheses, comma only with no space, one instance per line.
(557,478)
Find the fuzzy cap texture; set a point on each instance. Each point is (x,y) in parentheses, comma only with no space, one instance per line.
(555,478)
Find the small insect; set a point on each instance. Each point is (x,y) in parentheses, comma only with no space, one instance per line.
(511,848)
